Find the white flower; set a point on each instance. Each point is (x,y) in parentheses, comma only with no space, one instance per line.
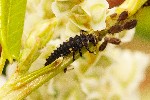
(128,67)
(2,80)
(97,12)
(11,68)
(77,15)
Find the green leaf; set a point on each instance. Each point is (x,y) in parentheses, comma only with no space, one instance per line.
(12,14)
(143,28)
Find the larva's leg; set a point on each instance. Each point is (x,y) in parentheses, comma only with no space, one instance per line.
(89,50)
(73,55)
(86,46)
(65,70)
(80,52)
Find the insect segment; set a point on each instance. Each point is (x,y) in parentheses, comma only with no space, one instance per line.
(83,40)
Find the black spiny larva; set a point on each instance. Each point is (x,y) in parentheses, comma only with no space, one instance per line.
(73,45)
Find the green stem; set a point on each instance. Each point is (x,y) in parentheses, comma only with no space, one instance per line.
(24,85)
(132,6)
